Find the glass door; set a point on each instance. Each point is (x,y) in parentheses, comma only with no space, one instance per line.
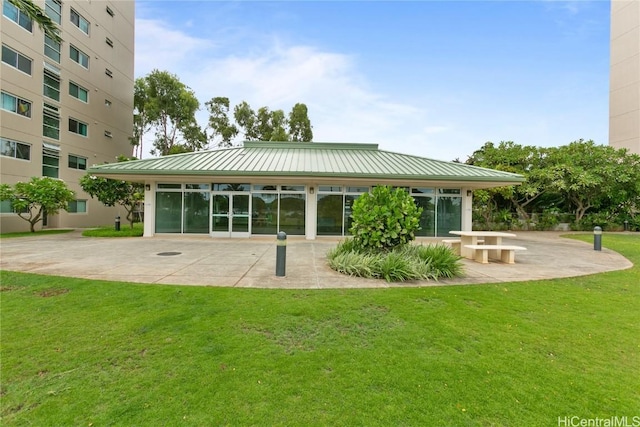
(230,215)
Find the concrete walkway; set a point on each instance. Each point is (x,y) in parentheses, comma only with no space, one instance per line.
(250,263)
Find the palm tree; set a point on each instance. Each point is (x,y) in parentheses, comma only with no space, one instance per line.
(38,16)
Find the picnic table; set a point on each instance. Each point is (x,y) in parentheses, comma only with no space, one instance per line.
(491,246)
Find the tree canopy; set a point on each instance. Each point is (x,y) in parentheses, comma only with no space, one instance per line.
(36,198)
(261,125)
(166,105)
(581,178)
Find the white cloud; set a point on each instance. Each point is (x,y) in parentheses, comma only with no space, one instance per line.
(342,107)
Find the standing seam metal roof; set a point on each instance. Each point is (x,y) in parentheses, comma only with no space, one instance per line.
(305,159)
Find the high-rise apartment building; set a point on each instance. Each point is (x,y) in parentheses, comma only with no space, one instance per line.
(66,106)
(624,89)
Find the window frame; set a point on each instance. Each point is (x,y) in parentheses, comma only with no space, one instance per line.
(81,19)
(77,127)
(51,75)
(52,112)
(80,54)
(78,89)
(72,208)
(56,15)
(51,151)
(54,48)
(17,101)
(18,55)
(15,149)
(77,162)
(20,18)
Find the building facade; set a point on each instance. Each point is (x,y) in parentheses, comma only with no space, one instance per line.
(303,189)
(66,106)
(624,89)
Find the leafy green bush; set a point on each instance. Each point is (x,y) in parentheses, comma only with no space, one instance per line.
(407,262)
(384,219)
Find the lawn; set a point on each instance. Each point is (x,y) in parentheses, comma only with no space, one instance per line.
(93,353)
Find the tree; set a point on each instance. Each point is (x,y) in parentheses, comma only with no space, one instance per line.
(261,125)
(384,218)
(528,161)
(37,15)
(111,192)
(169,107)
(299,124)
(141,120)
(219,121)
(591,176)
(36,198)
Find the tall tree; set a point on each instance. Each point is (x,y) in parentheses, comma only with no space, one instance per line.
(36,198)
(37,15)
(170,108)
(141,121)
(219,121)
(261,125)
(300,128)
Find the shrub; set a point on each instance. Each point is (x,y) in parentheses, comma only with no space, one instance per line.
(408,262)
(384,219)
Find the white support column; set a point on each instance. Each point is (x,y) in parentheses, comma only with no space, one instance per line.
(149,208)
(467,209)
(312,212)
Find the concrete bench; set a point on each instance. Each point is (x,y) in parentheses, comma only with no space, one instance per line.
(455,244)
(506,253)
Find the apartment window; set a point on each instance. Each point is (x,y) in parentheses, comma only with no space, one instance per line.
(16,59)
(51,121)
(109,41)
(53,9)
(107,103)
(77,162)
(50,160)
(79,56)
(110,11)
(16,105)
(15,149)
(108,134)
(16,15)
(51,48)
(108,72)
(78,127)
(80,22)
(51,85)
(78,92)
(77,206)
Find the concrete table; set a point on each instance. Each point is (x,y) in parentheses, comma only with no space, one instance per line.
(472,237)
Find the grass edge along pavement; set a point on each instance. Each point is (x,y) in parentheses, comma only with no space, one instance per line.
(83,352)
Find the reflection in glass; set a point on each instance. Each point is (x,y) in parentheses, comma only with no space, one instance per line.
(449,214)
(428,216)
(348,203)
(329,214)
(292,213)
(168,212)
(196,212)
(265,213)
(240,218)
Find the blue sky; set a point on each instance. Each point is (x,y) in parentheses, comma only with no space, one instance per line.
(431,78)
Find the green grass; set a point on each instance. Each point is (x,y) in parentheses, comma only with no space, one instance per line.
(82,352)
(109,231)
(37,233)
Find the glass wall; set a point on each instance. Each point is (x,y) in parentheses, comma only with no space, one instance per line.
(196,209)
(449,211)
(264,218)
(168,208)
(441,210)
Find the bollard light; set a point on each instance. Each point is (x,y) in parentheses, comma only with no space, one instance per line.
(118,223)
(281,254)
(626,225)
(597,238)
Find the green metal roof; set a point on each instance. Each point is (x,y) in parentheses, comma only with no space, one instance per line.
(298,159)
